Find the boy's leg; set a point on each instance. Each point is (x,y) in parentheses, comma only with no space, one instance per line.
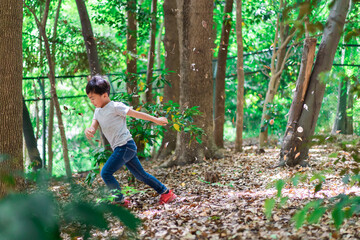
(114,163)
(138,171)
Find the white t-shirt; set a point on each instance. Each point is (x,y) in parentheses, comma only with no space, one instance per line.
(112,120)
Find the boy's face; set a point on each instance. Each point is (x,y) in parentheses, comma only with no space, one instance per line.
(98,100)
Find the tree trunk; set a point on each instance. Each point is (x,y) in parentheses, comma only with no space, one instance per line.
(30,140)
(151,54)
(89,39)
(37,116)
(220,76)
(303,115)
(172,63)
(241,78)
(91,51)
(279,56)
(195,77)
(350,109)
(159,42)
(11,144)
(131,58)
(341,118)
(51,108)
(54,96)
(50,137)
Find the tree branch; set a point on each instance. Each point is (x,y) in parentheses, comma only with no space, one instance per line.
(38,23)
(272,65)
(46,14)
(287,56)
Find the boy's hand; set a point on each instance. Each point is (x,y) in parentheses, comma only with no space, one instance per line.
(89,132)
(162,121)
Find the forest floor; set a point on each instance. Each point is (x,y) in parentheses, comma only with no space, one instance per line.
(233,206)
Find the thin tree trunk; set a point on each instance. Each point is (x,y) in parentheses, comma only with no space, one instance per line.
(303,115)
(196,78)
(350,109)
(340,119)
(36,111)
(50,137)
(241,79)
(11,144)
(277,66)
(132,53)
(30,140)
(220,77)
(172,63)
(51,108)
(89,39)
(151,54)
(159,42)
(42,30)
(91,51)
(131,61)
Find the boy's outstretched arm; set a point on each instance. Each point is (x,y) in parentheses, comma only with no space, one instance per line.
(90,132)
(144,116)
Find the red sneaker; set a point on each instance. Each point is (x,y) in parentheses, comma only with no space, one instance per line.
(167,197)
(126,203)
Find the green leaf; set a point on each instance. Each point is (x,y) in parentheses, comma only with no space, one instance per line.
(338,217)
(333,155)
(318,187)
(349,211)
(269,206)
(85,213)
(283,200)
(279,186)
(299,218)
(124,215)
(90,178)
(316,215)
(318,176)
(346,179)
(295,179)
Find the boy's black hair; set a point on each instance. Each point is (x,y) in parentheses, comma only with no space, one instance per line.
(98,85)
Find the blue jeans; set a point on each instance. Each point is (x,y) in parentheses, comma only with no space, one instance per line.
(126,155)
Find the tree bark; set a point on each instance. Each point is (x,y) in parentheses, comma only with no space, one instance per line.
(220,77)
(54,96)
(342,120)
(131,58)
(151,54)
(30,140)
(89,39)
(158,44)
(341,116)
(50,136)
(303,115)
(195,77)
(91,51)
(51,108)
(11,144)
(172,63)
(278,61)
(350,108)
(241,78)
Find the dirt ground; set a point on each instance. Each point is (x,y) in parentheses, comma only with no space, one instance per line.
(233,206)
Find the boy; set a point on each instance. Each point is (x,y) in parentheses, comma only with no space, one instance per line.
(111,116)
